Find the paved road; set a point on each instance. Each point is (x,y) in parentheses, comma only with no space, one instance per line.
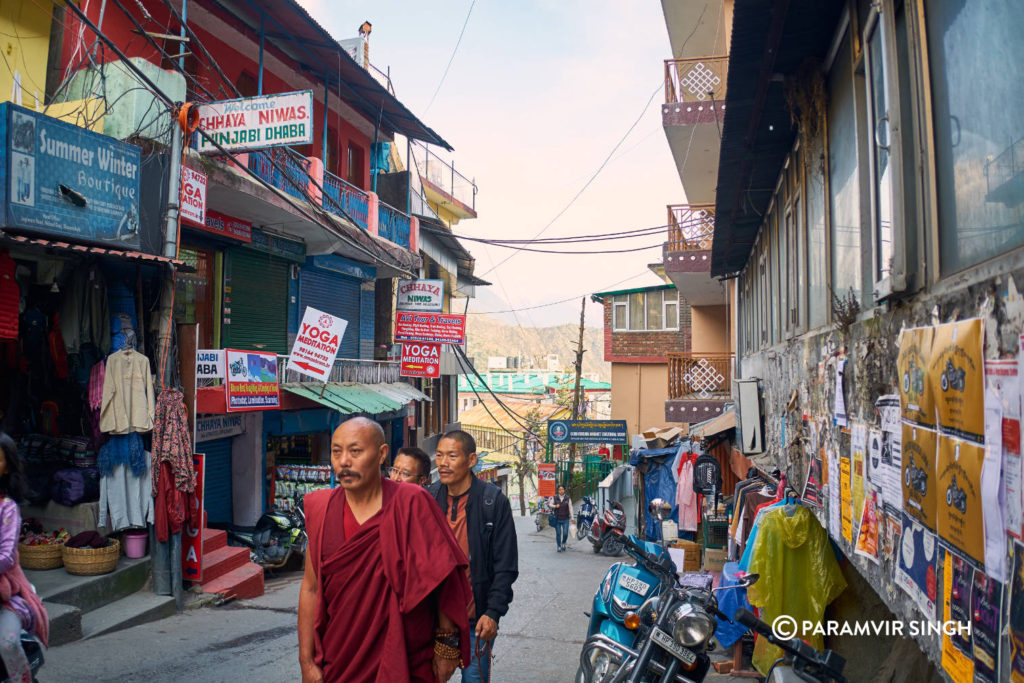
(254,640)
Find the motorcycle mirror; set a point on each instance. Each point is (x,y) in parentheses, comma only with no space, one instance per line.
(660,509)
(750,579)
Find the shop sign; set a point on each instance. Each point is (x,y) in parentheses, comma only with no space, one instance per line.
(420,295)
(192,539)
(193,196)
(587,431)
(68,181)
(436,328)
(278,246)
(226,226)
(218,427)
(546,479)
(316,344)
(420,360)
(257,122)
(210,364)
(252,381)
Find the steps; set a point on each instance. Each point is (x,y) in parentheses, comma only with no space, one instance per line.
(227,570)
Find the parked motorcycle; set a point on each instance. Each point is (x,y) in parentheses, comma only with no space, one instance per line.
(585,517)
(543,514)
(277,535)
(800,662)
(606,531)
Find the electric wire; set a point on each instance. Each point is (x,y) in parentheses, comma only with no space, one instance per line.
(451,59)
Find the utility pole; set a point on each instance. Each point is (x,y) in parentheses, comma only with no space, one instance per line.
(576,394)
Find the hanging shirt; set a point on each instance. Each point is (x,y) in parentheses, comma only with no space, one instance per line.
(686,499)
(128,400)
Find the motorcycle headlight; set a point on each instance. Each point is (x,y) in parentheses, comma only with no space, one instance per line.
(649,611)
(691,627)
(606,587)
(600,663)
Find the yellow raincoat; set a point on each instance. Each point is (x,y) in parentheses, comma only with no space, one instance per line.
(799,575)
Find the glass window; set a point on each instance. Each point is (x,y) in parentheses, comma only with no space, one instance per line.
(880,127)
(977,100)
(619,312)
(193,298)
(636,311)
(817,265)
(671,311)
(654,312)
(844,185)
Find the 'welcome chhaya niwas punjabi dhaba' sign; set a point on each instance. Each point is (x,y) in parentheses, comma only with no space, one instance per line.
(257,122)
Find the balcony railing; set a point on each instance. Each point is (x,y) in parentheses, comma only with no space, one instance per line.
(341,197)
(290,174)
(393,225)
(442,175)
(349,370)
(691,227)
(701,79)
(700,376)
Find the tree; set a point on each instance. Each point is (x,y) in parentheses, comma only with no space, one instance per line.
(525,467)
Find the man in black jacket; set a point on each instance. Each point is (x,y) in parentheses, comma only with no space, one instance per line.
(481,519)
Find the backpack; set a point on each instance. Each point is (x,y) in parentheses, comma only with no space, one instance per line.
(437,491)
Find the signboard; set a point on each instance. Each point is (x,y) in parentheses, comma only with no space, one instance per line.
(252,381)
(193,196)
(546,479)
(258,122)
(316,344)
(420,295)
(59,179)
(226,226)
(587,431)
(218,427)
(192,539)
(420,360)
(436,328)
(292,250)
(210,364)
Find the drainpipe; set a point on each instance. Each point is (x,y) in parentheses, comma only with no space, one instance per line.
(184,23)
(263,35)
(173,194)
(327,106)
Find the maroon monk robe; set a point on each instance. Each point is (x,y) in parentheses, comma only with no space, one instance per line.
(379,591)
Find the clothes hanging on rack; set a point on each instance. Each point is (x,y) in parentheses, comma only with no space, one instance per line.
(127,400)
(686,499)
(10,298)
(126,499)
(85,311)
(123,449)
(172,442)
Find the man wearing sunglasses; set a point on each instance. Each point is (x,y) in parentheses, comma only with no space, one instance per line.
(412,466)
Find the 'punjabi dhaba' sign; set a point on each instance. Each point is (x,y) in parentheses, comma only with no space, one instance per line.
(257,122)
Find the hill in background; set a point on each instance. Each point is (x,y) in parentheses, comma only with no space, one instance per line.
(488,336)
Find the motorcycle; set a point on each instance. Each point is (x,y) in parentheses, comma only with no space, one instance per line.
(953,377)
(277,535)
(584,517)
(542,516)
(916,478)
(800,662)
(956,497)
(667,639)
(606,531)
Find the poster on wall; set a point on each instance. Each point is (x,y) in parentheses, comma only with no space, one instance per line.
(986,604)
(956,373)
(846,504)
(546,479)
(192,539)
(960,521)
(867,536)
(252,380)
(919,479)
(839,409)
(812,486)
(917,402)
(890,468)
(915,571)
(957,656)
(992,489)
(1002,383)
(1017,616)
(858,449)
(834,495)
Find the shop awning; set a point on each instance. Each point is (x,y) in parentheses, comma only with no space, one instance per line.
(716,425)
(353,397)
(84,249)
(399,391)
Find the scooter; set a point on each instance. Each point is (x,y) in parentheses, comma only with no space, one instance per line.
(278,534)
(606,531)
(584,517)
(800,662)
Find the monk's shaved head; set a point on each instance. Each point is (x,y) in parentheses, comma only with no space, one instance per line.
(358,451)
(376,431)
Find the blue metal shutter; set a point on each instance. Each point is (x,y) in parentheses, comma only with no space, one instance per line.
(337,295)
(217,483)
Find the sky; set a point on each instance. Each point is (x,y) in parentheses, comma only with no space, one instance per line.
(538,95)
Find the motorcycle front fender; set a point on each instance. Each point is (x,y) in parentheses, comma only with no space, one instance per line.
(617,632)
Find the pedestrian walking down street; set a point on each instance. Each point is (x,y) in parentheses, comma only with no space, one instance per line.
(562,506)
(480,516)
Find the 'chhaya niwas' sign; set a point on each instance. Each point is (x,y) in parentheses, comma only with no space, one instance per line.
(420,295)
(258,122)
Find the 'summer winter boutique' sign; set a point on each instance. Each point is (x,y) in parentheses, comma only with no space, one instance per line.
(420,295)
(257,122)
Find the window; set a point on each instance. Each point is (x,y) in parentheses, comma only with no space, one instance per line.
(974,49)
(652,310)
(880,134)
(817,264)
(354,166)
(844,184)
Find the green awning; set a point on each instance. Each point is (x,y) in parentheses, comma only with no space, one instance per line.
(345,397)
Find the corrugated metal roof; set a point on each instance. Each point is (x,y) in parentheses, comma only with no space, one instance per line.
(769,39)
(84,249)
(478,415)
(345,397)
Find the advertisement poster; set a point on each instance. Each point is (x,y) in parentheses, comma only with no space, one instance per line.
(255,122)
(252,381)
(834,496)
(915,571)
(436,328)
(890,468)
(919,480)
(193,196)
(1017,616)
(1002,382)
(192,539)
(986,602)
(420,295)
(956,373)
(420,360)
(316,344)
(957,660)
(840,402)
(812,487)
(960,521)
(846,504)
(858,448)
(546,479)
(992,488)
(867,537)
(916,400)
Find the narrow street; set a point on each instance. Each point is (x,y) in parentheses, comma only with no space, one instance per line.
(254,640)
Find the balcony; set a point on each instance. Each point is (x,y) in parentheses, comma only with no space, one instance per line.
(342,198)
(686,255)
(393,225)
(692,116)
(443,186)
(699,385)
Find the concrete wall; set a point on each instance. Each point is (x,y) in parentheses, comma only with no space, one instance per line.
(709,329)
(639,392)
(247,451)
(25,44)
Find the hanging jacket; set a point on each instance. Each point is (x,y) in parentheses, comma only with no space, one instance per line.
(127,403)
(84,311)
(172,442)
(686,499)
(10,296)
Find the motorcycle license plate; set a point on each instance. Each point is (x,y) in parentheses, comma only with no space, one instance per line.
(634,584)
(680,652)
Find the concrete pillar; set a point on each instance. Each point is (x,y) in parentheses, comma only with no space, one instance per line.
(315,169)
(372,208)
(247,450)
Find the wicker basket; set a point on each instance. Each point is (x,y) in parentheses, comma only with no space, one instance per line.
(46,556)
(92,561)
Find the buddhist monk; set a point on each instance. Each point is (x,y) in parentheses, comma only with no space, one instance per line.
(384,596)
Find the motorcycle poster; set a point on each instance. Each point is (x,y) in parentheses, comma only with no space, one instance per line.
(957,659)
(960,517)
(917,402)
(957,377)
(918,476)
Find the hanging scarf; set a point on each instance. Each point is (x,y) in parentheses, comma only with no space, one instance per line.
(122,449)
(172,441)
